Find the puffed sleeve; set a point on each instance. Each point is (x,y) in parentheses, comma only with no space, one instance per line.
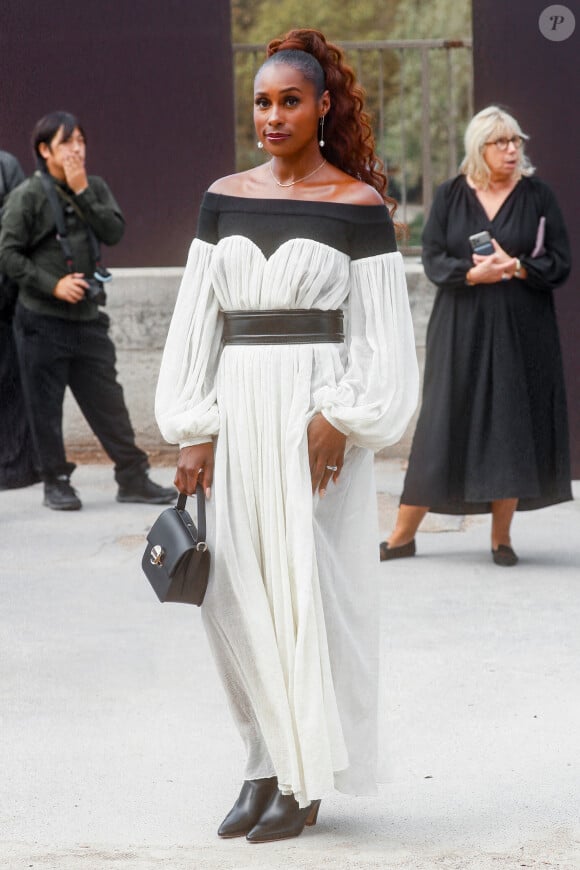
(378,393)
(185,401)
(440,264)
(548,263)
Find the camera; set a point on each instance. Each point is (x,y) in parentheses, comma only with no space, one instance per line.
(95,292)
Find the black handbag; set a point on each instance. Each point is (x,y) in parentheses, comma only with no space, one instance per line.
(176,560)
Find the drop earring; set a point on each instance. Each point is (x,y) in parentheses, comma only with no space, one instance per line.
(260,145)
(321,141)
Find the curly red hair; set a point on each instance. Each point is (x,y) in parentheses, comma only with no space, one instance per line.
(350,143)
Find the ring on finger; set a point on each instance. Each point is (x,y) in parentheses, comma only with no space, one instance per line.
(332,467)
(200,470)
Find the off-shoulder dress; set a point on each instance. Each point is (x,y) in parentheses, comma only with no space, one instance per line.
(291,609)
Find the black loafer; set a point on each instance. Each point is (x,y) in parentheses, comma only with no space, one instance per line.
(504,556)
(402,552)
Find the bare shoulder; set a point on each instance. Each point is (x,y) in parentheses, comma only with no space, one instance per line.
(354,192)
(233,185)
(364,194)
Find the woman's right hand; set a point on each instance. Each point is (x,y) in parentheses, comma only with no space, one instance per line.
(195,464)
(487,270)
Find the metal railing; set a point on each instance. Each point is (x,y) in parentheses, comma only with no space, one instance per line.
(419,95)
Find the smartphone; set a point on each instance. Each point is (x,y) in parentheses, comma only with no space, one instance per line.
(481,243)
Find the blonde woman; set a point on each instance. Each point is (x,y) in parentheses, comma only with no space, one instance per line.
(492,436)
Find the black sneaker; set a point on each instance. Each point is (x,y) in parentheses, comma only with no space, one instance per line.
(60,496)
(142,490)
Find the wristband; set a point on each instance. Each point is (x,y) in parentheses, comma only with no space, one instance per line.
(518,269)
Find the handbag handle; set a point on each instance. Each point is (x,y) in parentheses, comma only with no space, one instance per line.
(200,498)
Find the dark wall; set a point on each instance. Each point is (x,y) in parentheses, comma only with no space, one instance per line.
(151,82)
(538,80)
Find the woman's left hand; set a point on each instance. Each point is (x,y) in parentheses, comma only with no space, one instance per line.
(500,257)
(325,451)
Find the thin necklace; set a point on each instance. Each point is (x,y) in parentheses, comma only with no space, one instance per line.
(298,180)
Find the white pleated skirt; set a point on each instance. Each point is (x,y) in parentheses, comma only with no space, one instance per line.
(292,604)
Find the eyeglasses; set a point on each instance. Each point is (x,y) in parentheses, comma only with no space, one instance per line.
(502,143)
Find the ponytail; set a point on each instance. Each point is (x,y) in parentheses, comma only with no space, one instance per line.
(349,141)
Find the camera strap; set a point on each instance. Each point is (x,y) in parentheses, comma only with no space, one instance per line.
(52,194)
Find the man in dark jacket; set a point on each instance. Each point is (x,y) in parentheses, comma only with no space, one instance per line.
(61,334)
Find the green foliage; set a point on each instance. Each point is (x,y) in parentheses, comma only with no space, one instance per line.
(262,20)
(432,19)
(450,83)
(414,230)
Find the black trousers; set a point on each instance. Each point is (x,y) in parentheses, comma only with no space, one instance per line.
(56,353)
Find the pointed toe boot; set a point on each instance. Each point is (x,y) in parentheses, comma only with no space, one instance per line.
(251,803)
(283,819)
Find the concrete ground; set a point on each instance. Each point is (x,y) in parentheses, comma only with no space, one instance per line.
(117,751)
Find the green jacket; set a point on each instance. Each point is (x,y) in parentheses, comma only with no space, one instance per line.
(31,254)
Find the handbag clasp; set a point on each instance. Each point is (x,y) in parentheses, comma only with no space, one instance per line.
(157,555)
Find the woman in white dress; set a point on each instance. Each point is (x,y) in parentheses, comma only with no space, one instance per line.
(290,359)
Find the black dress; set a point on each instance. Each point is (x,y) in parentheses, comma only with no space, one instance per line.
(17,457)
(493,422)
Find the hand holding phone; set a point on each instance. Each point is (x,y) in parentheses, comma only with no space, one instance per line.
(481,244)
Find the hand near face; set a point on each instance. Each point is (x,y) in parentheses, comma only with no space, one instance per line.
(325,452)
(74,171)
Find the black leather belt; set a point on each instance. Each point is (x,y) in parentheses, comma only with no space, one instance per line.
(283,326)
